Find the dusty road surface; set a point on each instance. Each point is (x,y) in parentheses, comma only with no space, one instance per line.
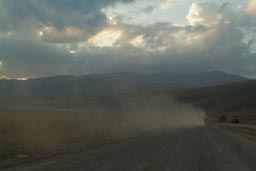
(190,149)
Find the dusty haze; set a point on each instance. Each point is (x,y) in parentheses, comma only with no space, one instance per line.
(31,132)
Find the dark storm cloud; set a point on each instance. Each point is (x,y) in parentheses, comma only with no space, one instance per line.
(223,51)
(24,56)
(59,14)
(50,37)
(23,53)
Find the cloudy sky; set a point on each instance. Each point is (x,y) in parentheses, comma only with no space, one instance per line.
(75,37)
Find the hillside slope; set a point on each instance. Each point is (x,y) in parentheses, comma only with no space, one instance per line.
(229,99)
(109,84)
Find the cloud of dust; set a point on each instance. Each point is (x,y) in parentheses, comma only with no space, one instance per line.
(34,131)
(160,112)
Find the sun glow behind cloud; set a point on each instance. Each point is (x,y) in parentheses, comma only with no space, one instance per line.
(106,38)
(138,41)
(252,7)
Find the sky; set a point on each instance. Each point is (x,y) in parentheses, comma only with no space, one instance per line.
(41,38)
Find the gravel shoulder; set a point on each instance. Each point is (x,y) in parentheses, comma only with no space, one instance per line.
(189,149)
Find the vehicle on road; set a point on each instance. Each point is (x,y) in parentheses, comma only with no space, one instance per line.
(235,119)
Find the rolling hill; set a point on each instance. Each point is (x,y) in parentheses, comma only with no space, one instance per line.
(228,99)
(110,84)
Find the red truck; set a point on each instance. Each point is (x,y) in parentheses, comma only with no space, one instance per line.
(235,119)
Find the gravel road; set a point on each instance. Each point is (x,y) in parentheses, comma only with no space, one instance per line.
(187,149)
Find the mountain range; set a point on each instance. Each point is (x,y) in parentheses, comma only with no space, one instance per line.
(111,84)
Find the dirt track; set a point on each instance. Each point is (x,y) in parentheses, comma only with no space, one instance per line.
(190,149)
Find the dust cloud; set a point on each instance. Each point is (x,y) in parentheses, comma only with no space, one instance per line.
(34,131)
(158,112)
